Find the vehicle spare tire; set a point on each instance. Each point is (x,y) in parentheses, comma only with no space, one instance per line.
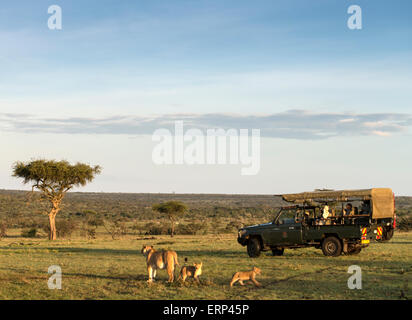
(253,248)
(331,247)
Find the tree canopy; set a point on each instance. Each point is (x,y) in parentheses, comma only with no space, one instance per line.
(172,209)
(53,179)
(52,176)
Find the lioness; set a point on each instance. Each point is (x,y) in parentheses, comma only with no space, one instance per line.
(191,271)
(160,260)
(246,275)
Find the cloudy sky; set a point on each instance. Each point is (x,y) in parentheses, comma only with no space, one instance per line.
(334,105)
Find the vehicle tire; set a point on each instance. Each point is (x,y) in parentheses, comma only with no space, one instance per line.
(332,247)
(253,248)
(387,234)
(277,251)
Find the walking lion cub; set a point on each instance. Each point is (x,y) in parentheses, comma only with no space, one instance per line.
(165,259)
(191,271)
(246,275)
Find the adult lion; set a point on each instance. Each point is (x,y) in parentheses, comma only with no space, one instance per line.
(165,259)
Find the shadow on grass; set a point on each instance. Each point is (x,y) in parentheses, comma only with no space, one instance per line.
(134,277)
(75,250)
(181,253)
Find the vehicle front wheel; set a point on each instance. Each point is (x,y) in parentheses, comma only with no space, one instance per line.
(253,248)
(331,247)
(277,251)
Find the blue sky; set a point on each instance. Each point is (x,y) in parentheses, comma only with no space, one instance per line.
(243,58)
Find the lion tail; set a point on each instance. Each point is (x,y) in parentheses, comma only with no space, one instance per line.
(175,259)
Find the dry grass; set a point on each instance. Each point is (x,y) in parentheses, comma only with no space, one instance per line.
(107,269)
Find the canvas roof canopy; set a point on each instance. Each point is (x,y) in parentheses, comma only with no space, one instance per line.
(382,199)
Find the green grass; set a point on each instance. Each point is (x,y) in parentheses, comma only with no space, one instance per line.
(107,269)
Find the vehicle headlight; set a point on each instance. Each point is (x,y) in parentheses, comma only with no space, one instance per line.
(242,232)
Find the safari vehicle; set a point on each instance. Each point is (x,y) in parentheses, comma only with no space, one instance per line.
(335,221)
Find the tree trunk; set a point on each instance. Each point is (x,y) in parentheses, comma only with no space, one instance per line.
(52,218)
(173,228)
(52,222)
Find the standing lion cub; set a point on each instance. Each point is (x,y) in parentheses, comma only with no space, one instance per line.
(191,271)
(160,260)
(246,275)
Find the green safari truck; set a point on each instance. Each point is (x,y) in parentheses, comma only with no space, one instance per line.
(335,221)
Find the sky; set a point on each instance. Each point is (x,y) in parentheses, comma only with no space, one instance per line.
(333,105)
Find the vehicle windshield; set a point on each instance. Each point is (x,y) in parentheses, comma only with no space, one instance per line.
(288,215)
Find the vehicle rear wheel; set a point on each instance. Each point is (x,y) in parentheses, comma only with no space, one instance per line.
(331,247)
(253,248)
(277,251)
(387,234)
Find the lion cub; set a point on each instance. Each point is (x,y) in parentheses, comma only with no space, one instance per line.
(246,275)
(191,271)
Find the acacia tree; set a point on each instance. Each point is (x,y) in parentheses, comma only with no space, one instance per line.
(53,179)
(173,209)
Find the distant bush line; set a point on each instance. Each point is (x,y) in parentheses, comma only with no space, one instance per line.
(116,215)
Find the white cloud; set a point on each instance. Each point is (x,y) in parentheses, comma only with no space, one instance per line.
(293,124)
(381,133)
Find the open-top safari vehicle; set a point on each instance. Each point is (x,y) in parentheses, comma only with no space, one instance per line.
(335,221)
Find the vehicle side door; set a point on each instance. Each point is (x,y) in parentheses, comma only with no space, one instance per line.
(291,233)
(290,228)
(272,235)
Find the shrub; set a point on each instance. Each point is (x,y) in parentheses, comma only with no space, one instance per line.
(91,233)
(404,223)
(25,223)
(216,225)
(3,229)
(156,229)
(88,231)
(64,228)
(115,229)
(29,233)
(190,229)
(95,221)
(233,226)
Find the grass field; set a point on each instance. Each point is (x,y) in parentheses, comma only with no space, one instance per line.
(107,269)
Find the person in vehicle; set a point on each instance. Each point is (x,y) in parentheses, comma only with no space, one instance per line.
(321,220)
(326,212)
(366,207)
(348,211)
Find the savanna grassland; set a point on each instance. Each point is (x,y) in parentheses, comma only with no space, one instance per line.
(107,269)
(101,236)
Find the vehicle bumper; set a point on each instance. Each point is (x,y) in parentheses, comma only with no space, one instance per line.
(242,240)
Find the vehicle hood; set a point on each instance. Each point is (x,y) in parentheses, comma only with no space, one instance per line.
(256,226)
